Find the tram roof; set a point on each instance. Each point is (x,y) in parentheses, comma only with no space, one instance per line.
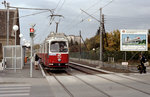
(56,36)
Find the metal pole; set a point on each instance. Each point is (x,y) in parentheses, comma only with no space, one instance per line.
(80,44)
(31,66)
(100,35)
(15,54)
(125,56)
(7,23)
(56,27)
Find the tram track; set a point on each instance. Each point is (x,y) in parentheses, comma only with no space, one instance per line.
(123,85)
(48,73)
(97,74)
(63,86)
(128,86)
(122,76)
(101,91)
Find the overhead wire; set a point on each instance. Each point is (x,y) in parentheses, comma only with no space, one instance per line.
(39,36)
(61,6)
(101,7)
(68,29)
(80,15)
(31,14)
(93,5)
(52,18)
(96,11)
(45,10)
(51,10)
(107,4)
(57,4)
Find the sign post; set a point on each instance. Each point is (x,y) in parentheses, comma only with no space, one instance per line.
(134,40)
(32,36)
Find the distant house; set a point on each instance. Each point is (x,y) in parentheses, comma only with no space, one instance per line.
(3,28)
(74,39)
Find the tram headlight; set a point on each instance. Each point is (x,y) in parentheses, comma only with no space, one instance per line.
(59,60)
(50,63)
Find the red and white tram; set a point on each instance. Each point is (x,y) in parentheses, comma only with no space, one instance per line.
(54,52)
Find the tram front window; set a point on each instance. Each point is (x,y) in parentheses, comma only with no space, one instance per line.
(58,46)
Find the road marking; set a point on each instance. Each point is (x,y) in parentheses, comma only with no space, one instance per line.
(11,88)
(14,90)
(10,95)
(141,74)
(15,85)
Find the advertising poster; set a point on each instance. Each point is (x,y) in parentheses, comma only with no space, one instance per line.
(134,40)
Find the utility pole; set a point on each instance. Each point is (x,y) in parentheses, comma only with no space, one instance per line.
(101,29)
(57,26)
(104,36)
(80,43)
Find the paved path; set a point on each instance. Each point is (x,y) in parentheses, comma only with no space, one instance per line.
(19,84)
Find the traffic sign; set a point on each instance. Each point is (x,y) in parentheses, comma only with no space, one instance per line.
(31,29)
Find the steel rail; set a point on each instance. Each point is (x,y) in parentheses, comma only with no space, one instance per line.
(70,94)
(121,83)
(90,85)
(117,75)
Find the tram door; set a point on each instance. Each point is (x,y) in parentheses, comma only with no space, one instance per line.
(1,51)
(47,53)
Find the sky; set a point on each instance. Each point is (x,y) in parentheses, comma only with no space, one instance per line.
(119,14)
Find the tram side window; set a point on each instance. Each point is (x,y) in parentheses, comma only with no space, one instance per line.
(47,48)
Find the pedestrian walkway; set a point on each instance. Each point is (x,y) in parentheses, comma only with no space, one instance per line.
(9,90)
(19,83)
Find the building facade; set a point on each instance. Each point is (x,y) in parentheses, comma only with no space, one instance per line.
(13,20)
(74,39)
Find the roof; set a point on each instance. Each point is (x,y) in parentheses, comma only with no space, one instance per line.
(56,35)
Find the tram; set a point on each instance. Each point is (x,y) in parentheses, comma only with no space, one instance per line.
(54,52)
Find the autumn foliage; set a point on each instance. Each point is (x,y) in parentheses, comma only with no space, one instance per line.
(111,48)
(113,41)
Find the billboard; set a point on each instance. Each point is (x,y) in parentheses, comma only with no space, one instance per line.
(134,40)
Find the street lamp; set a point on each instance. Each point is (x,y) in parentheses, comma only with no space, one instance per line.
(24,40)
(89,20)
(100,31)
(15,28)
(20,35)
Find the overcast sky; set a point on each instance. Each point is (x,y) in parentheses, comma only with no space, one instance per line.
(120,14)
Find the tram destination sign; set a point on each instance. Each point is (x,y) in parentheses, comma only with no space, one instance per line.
(133,40)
